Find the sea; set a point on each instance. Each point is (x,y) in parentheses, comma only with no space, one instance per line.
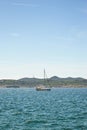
(58,109)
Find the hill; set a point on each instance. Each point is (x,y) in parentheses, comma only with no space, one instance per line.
(53,82)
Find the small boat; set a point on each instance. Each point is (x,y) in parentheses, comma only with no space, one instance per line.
(12,86)
(43,87)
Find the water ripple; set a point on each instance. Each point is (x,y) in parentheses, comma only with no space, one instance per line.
(59,109)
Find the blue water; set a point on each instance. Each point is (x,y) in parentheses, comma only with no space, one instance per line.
(28,109)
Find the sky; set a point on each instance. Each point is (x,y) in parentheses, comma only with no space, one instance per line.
(38,34)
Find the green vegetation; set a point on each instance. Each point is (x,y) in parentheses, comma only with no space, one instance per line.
(52,82)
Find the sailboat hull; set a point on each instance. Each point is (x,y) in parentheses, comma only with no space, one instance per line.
(43,89)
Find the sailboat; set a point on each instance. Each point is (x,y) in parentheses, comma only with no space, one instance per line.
(43,87)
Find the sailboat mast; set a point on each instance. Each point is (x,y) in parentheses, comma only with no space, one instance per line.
(44,74)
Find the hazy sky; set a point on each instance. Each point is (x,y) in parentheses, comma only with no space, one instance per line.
(38,34)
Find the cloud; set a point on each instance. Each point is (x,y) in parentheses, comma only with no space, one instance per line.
(82,34)
(25,5)
(74,35)
(64,38)
(14,34)
(84,11)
